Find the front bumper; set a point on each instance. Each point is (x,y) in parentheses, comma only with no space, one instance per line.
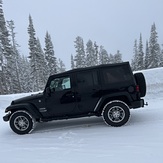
(7,117)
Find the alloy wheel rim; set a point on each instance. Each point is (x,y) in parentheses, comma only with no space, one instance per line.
(21,123)
(116,114)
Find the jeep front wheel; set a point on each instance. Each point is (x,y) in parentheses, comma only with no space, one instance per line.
(116,113)
(21,122)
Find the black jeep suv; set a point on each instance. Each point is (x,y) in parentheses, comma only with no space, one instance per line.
(108,90)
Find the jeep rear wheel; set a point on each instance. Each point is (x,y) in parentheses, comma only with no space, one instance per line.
(21,122)
(116,113)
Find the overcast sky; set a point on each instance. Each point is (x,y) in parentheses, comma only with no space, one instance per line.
(115,24)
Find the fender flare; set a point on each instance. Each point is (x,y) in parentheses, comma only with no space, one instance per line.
(113,96)
(25,106)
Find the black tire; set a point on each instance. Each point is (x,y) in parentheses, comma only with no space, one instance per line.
(140,80)
(116,113)
(21,122)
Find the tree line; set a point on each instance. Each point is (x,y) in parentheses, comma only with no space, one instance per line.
(29,73)
(92,54)
(152,56)
(20,73)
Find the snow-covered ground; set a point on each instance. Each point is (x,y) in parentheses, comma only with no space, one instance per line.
(89,139)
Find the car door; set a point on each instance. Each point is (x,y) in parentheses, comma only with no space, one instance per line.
(87,90)
(61,101)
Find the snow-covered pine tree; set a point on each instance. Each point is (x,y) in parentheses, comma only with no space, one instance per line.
(118,57)
(50,55)
(72,62)
(6,53)
(103,56)
(91,58)
(147,56)
(96,53)
(15,58)
(154,48)
(42,66)
(80,58)
(33,56)
(134,62)
(161,57)
(140,59)
(2,86)
(26,85)
(111,58)
(61,66)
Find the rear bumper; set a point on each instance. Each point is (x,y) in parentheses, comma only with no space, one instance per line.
(6,117)
(137,104)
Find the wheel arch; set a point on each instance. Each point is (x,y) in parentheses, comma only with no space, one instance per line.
(119,101)
(26,107)
(125,98)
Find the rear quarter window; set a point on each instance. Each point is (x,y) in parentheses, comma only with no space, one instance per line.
(117,76)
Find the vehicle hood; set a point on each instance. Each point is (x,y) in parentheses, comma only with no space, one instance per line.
(26,99)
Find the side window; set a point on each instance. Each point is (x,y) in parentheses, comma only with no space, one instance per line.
(59,84)
(116,75)
(87,79)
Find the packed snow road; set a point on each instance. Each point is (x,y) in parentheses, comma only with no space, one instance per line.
(89,139)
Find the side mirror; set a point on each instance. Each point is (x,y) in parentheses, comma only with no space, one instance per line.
(48,91)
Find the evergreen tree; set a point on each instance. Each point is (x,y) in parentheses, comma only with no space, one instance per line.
(26,85)
(140,59)
(61,66)
(147,56)
(72,62)
(161,57)
(33,56)
(6,53)
(42,67)
(111,59)
(118,57)
(103,56)
(91,59)
(80,59)
(3,85)
(2,88)
(154,49)
(96,53)
(15,58)
(134,62)
(50,55)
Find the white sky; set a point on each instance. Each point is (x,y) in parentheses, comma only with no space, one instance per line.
(115,24)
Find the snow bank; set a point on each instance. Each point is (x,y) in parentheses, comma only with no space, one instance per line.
(154,81)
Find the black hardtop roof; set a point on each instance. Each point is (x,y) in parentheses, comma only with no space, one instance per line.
(89,68)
